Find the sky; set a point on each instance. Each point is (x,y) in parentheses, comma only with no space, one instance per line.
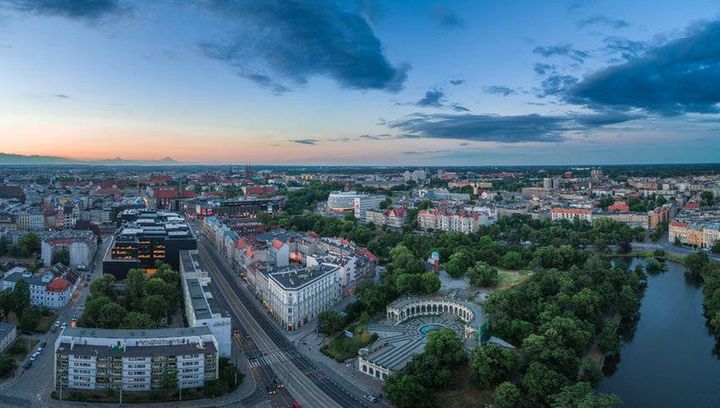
(362,82)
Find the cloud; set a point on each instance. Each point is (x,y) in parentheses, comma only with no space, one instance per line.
(562,50)
(504,129)
(679,76)
(499,90)
(446,18)
(627,49)
(457,82)
(433,98)
(542,69)
(459,108)
(305,141)
(75,9)
(281,45)
(62,96)
(556,84)
(604,21)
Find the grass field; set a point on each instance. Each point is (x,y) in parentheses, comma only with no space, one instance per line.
(508,278)
(342,348)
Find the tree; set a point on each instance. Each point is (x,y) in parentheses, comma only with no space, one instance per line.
(21,296)
(330,322)
(93,311)
(169,380)
(61,256)
(492,364)
(716,247)
(135,284)
(156,306)
(408,283)
(540,382)
(111,316)
(7,365)
(7,302)
(590,371)
(30,319)
(430,282)
(406,392)
(137,320)
(4,246)
(459,262)
(707,198)
(103,286)
(581,395)
(28,245)
(696,264)
(507,395)
(446,346)
(512,260)
(483,275)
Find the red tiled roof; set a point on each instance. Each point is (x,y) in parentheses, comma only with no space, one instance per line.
(58,285)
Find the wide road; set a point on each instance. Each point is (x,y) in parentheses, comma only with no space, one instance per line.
(308,384)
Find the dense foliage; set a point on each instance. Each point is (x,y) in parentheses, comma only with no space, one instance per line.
(147,301)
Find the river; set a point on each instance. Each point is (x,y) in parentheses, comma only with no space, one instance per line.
(669,362)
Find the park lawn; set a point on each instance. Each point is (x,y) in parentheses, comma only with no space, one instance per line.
(509,278)
(17,352)
(342,348)
(465,393)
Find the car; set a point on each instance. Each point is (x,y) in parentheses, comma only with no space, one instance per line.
(370,397)
(43,344)
(270,390)
(32,358)
(295,404)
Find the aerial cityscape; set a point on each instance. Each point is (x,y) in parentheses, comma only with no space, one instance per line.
(359,203)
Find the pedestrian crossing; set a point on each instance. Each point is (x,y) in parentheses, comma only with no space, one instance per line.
(268,359)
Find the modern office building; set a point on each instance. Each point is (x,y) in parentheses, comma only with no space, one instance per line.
(247,206)
(364,203)
(134,360)
(81,246)
(152,237)
(342,200)
(201,308)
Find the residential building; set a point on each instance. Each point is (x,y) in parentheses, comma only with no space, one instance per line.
(134,360)
(392,217)
(52,289)
(81,246)
(441,219)
(571,214)
(697,233)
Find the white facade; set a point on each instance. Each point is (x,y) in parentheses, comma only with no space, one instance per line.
(366,202)
(296,296)
(342,200)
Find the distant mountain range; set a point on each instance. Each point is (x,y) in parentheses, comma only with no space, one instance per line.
(19,159)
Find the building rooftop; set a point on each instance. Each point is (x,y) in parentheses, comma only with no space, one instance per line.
(136,333)
(296,278)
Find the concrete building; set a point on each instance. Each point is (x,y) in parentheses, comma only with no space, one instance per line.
(81,245)
(342,200)
(201,308)
(30,221)
(392,217)
(134,360)
(8,334)
(364,203)
(296,295)
(696,233)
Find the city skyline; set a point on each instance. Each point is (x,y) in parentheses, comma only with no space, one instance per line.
(376,83)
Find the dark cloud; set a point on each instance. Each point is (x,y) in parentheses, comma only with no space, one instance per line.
(505,129)
(556,84)
(433,98)
(446,18)
(624,48)
(282,44)
(75,9)
(305,141)
(499,90)
(62,96)
(457,81)
(679,76)
(542,69)
(459,108)
(562,50)
(603,21)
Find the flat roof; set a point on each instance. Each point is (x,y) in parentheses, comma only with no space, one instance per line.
(299,277)
(136,333)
